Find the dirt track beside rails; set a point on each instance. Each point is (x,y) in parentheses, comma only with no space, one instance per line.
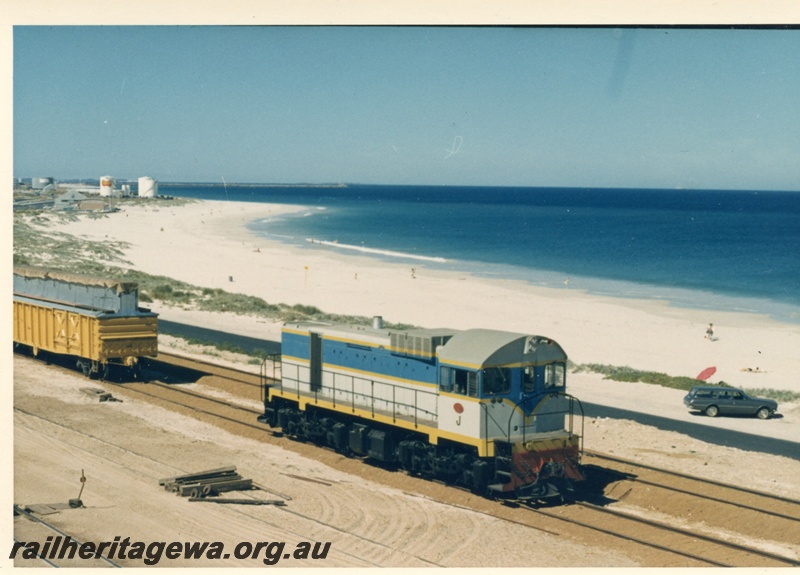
(373,517)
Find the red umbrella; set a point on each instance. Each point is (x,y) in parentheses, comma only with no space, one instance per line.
(706,373)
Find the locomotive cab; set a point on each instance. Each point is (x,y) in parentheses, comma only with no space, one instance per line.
(511,391)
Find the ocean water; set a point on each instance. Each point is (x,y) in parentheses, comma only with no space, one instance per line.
(734,250)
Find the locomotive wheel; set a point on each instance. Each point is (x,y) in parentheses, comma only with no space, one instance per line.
(712,411)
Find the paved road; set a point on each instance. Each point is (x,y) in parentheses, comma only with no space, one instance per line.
(249,344)
(719,436)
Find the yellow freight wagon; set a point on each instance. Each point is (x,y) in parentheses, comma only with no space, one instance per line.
(96,320)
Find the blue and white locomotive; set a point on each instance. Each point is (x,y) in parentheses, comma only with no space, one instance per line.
(479,408)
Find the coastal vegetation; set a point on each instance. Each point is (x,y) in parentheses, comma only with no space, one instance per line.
(630,375)
(37,245)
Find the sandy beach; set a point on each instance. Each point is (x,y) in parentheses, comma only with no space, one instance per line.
(207,243)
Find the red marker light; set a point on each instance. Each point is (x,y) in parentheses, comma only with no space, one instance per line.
(458,407)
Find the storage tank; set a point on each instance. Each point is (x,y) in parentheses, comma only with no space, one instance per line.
(41,183)
(106,186)
(148,187)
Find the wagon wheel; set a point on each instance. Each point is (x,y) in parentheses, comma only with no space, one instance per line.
(712,411)
(85,367)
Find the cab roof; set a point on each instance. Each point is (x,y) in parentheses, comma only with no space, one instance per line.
(479,348)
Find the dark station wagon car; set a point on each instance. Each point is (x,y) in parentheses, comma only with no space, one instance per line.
(716,400)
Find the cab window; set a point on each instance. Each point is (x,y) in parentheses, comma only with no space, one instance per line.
(445,381)
(496,380)
(459,381)
(553,376)
(528,380)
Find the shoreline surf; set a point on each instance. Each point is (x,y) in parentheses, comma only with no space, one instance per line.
(671,295)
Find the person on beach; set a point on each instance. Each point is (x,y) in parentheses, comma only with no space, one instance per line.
(710,332)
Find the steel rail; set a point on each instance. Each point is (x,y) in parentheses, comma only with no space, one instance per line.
(693,534)
(598,455)
(254,517)
(256,376)
(39,556)
(657,525)
(199,410)
(715,499)
(172,387)
(642,542)
(632,539)
(33,517)
(670,550)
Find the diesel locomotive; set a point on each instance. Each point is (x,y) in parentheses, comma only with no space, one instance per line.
(483,409)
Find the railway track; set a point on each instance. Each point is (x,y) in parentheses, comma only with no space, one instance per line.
(208,367)
(620,519)
(40,530)
(686,542)
(724,494)
(627,525)
(252,516)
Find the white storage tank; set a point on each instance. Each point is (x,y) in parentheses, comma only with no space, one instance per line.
(148,187)
(107,186)
(41,183)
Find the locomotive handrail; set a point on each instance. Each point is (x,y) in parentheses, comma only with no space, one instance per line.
(329,392)
(275,358)
(572,399)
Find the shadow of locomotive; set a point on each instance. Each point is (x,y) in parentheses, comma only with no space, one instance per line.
(598,480)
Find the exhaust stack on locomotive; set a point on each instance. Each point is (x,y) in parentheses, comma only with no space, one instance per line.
(479,408)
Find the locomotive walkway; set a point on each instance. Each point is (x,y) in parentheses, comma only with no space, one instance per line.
(717,433)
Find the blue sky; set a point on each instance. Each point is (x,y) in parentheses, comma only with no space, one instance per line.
(605,107)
